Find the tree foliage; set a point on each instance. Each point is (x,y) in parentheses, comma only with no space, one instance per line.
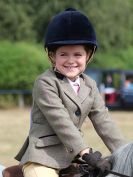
(15,22)
(113,22)
(113,59)
(28,19)
(20,64)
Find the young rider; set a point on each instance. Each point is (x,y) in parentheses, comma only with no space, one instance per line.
(63,96)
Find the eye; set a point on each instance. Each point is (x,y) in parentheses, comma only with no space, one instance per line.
(78,54)
(63,54)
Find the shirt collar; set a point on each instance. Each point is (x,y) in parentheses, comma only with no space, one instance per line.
(77,81)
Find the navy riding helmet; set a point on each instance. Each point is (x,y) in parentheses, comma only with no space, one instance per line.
(70,27)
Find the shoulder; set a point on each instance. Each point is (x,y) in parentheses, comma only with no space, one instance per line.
(48,76)
(45,80)
(45,83)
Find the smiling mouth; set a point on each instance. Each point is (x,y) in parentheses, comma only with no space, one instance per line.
(70,67)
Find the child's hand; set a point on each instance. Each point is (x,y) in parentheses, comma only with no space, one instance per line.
(92,158)
(95,160)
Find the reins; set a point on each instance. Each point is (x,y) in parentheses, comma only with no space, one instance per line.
(116,173)
(84,169)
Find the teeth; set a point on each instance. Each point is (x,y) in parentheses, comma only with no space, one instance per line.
(71,67)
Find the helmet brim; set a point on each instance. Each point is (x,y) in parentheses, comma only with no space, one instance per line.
(71,42)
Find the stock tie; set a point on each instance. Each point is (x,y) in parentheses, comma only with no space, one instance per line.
(76,87)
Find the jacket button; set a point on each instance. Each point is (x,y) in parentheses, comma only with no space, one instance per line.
(77,113)
(70,150)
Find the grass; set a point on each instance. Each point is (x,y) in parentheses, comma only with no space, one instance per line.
(124,121)
(14,128)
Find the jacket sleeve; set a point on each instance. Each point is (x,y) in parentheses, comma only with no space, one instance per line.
(46,96)
(105,127)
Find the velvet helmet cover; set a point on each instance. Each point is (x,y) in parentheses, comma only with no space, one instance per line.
(68,28)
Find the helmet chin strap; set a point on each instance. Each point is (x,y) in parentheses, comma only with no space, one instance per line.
(91,56)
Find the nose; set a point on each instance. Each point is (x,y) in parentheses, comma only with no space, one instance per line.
(70,59)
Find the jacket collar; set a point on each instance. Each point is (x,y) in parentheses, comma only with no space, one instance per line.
(83,92)
(58,74)
(82,95)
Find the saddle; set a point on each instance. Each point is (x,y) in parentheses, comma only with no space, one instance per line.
(16,171)
(13,171)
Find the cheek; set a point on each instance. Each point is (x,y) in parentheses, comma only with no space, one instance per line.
(82,63)
(58,63)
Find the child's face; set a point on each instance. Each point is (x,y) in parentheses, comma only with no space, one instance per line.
(71,60)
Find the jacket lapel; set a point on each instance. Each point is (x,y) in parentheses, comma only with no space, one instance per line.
(70,92)
(84,90)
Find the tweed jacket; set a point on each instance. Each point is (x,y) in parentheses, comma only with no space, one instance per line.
(57,116)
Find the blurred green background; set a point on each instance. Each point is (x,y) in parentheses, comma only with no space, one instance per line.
(22,28)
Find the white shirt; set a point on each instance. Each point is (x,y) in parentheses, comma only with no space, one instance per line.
(74,84)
